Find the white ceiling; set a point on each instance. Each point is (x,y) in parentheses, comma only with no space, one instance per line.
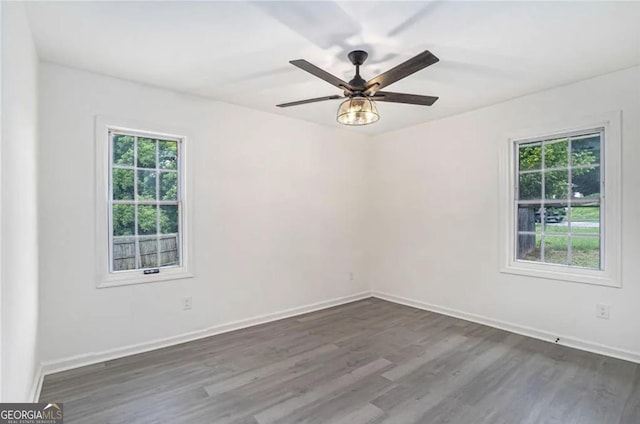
(238,52)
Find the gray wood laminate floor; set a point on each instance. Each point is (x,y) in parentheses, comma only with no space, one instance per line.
(369,361)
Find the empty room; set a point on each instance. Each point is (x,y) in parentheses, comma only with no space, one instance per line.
(285,212)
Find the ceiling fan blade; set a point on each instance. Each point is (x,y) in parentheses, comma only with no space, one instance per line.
(324,23)
(412,99)
(302,102)
(322,74)
(414,19)
(416,63)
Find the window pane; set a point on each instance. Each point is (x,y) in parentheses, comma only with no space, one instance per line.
(123,149)
(530,186)
(552,218)
(529,156)
(168,154)
(528,247)
(168,185)
(146,185)
(556,249)
(586,183)
(123,220)
(122,184)
(556,184)
(556,153)
(148,251)
(585,219)
(169,219)
(146,153)
(585,251)
(147,219)
(124,253)
(169,250)
(585,150)
(527,217)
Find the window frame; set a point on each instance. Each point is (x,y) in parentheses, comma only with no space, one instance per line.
(610,163)
(104,239)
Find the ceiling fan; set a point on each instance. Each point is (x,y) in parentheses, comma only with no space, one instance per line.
(360,108)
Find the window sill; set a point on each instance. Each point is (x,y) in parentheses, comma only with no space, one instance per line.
(130,278)
(599,278)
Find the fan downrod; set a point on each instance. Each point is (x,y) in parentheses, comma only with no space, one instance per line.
(357,57)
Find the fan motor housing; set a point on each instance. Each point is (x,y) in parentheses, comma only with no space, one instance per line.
(359,83)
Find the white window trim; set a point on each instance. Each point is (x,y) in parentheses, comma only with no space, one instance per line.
(104,276)
(610,275)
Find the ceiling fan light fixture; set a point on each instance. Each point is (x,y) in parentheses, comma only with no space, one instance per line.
(358,111)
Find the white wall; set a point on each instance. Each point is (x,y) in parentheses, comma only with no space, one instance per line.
(284,208)
(19,323)
(277,204)
(434,216)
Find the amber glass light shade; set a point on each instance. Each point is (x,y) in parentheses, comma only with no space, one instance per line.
(358,111)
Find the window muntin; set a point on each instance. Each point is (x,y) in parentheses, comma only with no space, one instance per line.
(558,200)
(145,225)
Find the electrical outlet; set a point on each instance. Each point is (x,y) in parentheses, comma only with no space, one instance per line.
(603,311)
(351,277)
(186,303)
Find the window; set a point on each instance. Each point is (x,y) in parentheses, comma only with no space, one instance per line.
(558,198)
(144,193)
(562,206)
(144,202)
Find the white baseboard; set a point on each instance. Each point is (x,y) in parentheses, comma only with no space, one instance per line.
(515,328)
(51,367)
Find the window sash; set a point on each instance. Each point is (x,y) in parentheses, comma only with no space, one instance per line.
(569,200)
(135,202)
